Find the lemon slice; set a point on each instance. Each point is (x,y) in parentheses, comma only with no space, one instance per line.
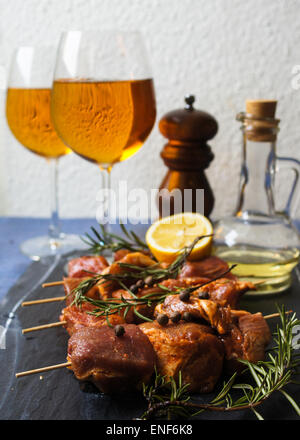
(167,236)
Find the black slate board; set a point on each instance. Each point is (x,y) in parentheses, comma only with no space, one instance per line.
(57,395)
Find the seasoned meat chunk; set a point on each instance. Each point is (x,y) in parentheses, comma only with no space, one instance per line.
(227,292)
(210,267)
(190,348)
(81,267)
(232,342)
(71,283)
(143,309)
(114,364)
(247,339)
(217,316)
(172,284)
(256,336)
(80,317)
(134,258)
(121,253)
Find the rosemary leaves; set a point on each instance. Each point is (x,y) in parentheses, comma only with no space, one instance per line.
(101,241)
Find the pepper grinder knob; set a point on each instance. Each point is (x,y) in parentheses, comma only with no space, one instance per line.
(189,100)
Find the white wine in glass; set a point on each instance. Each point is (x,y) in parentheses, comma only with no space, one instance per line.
(29,118)
(103,101)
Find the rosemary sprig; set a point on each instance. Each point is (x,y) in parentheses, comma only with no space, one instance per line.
(164,389)
(267,377)
(102,240)
(111,306)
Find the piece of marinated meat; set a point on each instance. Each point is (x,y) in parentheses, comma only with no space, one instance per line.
(210,267)
(81,317)
(141,309)
(134,258)
(247,339)
(173,284)
(217,316)
(114,364)
(232,342)
(256,336)
(71,283)
(121,253)
(225,291)
(190,348)
(82,266)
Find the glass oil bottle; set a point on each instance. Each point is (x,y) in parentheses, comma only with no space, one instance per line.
(262,242)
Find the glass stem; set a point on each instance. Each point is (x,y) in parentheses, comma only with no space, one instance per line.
(54,226)
(106,187)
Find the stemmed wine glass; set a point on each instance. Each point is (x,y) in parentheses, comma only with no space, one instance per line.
(103,102)
(28,116)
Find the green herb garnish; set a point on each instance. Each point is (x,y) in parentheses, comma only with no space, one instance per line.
(103,240)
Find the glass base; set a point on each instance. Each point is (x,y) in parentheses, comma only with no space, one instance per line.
(39,247)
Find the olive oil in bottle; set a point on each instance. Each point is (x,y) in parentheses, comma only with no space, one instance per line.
(270,269)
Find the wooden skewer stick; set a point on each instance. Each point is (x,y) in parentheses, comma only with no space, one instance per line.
(42,327)
(53,283)
(275,315)
(239,313)
(60,283)
(41,370)
(42,301)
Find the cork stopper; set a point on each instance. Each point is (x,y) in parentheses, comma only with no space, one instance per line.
(261,108)
(260,124)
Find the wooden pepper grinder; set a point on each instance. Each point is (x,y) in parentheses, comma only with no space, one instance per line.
(187,154)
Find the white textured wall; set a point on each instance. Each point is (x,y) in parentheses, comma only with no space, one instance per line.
(223,51)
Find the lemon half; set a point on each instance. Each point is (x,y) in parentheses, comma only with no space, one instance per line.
(166,237)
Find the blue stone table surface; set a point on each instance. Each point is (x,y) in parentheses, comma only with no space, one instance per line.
(15,230)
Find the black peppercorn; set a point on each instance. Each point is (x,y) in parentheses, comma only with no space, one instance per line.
(134,288)
(203,295)
(140,283)
(162,319)
(184,295)
(149,280)
(176,317)
(119,330)
(187,316)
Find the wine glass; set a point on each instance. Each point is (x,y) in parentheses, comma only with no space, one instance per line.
(28,117)
(103,102)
